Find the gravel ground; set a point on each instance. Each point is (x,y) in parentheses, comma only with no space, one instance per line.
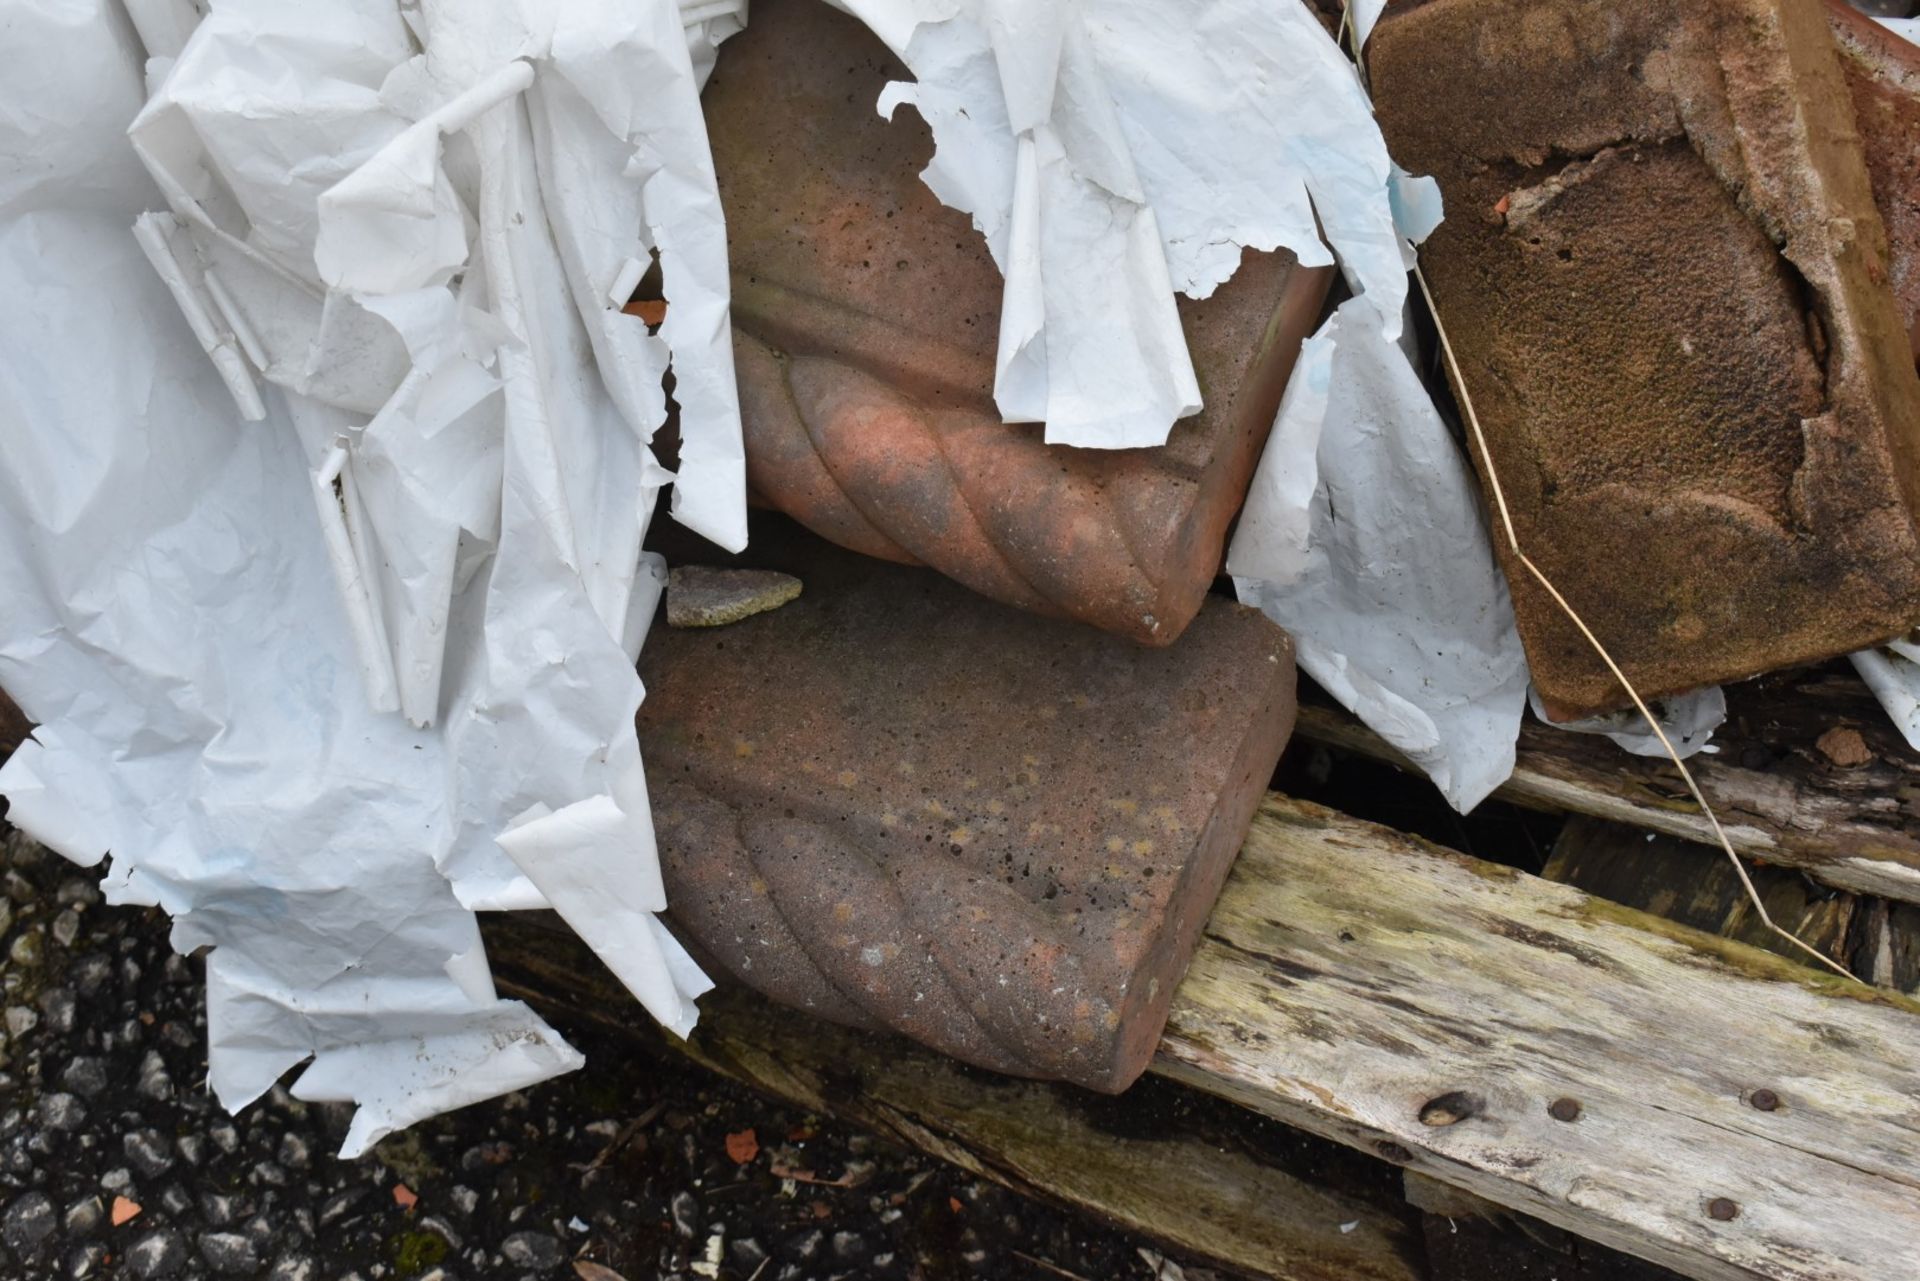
(115,1161)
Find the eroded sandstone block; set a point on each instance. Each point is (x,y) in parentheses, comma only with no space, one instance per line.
(900,805)
(1668,287)
(866,315)
(1883,78)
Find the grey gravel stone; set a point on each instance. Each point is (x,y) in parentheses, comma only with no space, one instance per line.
(336,1206)
(849,1245)
(29,948)
(75,890)
(293,1267)
(91,973)
(230,1254)
(218,1208)
(62,1111)
(21,1020)
(224,1137)
(118,1179)
(532,1250)
(150,1153)
(192,1148)
(155,1083)
(85,1075)
(294,1152)
(28,1220)
(464,1198)
(83,1216)
(157,1254)
(686,1214)
(66,928)
(438,1224)
(174,1200)
(86,1260)
(57,1005)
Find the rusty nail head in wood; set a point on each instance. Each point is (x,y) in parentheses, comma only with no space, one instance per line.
(1722,1209)
(1765,1100)
(1564,1109)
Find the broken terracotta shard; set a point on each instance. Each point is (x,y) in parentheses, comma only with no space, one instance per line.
(865,319)
(1668,288)
(1883,78)
(900,805)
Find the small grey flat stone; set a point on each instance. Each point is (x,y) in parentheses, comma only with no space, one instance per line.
(700,596)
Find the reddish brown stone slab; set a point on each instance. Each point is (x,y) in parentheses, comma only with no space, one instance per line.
(1883,77)
(900,805)
(865,322)
(1668,287)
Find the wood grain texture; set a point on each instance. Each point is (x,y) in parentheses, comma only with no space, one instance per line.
(1432,1008)
(1695,885)
(1778,796)
(1198,1198)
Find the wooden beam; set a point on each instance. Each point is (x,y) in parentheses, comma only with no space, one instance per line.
(1779,796)
(1203,1196)
(1586,1063)
(1695,885)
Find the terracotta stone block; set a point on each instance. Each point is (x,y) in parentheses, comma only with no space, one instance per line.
(1883,78)
(900,805)
(1668,287)
(866,315)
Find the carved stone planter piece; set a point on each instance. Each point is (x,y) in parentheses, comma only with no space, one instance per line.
(899,805)
(866,316)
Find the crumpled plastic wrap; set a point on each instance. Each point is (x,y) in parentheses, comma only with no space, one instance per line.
(1688,720)
(1892,672)
(1113,152)
(349,423)
(1363,537)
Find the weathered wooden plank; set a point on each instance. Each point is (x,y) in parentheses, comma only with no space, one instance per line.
(1778,795)
(1450,1014)
(1887,950)
(1695,885)
(1153,1176)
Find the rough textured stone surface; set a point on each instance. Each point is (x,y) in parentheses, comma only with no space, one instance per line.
(866,316)
(1667,283)
(897,804)
(699,596)
(1883,78)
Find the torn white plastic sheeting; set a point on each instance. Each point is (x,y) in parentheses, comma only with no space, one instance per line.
(1114,152)
(1362,536)
(1892,672)
(1688,720)
(450,438)
(1364,14)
